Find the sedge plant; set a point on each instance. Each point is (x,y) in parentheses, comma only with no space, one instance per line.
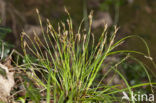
(67,63)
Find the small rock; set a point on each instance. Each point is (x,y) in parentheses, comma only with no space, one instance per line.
(103,18)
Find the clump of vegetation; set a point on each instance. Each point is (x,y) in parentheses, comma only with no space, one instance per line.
(4,46)
(66,65)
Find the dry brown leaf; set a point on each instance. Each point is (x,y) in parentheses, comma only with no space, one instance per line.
(6,83)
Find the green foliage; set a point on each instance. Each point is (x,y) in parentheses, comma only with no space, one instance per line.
(131,69)
(21,100)
(3,72)
(4,46)
(4,31)
(108,4)
(70,63)
(33,93)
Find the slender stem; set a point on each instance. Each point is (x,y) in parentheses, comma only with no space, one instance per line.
(85,13)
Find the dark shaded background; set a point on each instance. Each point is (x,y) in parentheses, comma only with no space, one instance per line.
(134,17)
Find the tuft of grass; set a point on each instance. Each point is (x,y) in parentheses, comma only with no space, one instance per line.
(67,63)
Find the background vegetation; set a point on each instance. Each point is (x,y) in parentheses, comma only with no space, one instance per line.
(133,17)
